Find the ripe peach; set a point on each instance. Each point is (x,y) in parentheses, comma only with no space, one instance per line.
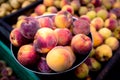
(27,55)
(81,26)
(97,22)
(68,8)
(17,39)
(75,4)
(63,19)
(29,27)
(81,44)
(64,36)
(40,9)
(82,71)
(60,59)
(97,39)
(112,42)
(44,40)
(91,14)
(64,2)
(52,9)
(45,22)
(103,53)
(103,14)
(84,17)
(111,23)
(48,2)
(105,32)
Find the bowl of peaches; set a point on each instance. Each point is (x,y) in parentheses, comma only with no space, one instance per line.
(52,43)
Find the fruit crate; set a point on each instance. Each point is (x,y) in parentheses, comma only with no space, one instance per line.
(7,23)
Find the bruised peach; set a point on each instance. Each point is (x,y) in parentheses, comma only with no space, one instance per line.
(63,19)
(81,44)
(60,59)
(29,27)
(45,40)
(97,22)
(17,39)
(111,23)
(81,26)
(64,36)
(45,22)
(27,55)
(40,9)
(68,8)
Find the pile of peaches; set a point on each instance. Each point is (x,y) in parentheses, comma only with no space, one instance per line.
(103,18)
(51,43)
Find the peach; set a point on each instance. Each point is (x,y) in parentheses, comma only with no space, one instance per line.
(29,27)
(103,53)
(108,3)
(97,22)
(27,55)
(82,10)
(48,2)
(57,4)
(45,22)
(84,17)
(93,64)
(60,59)
(91,14)
(68,8)
(52,9)
(33,14)
(82,71)
(84,2)
(17,39)
(81,26)
(92,52)
(116,11)
(97,39)
(44,40)
(90,6)
(40,9)
(64,36)
(105,32)
(63,19)
(112,15)
(116,32)
(111,23)
(64,2)
(96,3)
(103,14)
(75,4)
(81,44)
(112,42)
(116,4)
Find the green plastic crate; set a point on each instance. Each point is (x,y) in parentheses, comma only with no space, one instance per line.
(23,74)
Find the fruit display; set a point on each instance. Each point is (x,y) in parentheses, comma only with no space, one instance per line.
(49,45)
(10,6)
(6,72)
(101,18)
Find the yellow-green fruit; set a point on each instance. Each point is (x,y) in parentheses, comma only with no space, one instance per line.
(82,71)
(112,42)
(105,32)
(103,52)
(91,14)
(82,10)
(102,13)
